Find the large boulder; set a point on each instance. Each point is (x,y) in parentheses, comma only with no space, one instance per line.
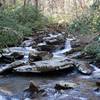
(54,39)
(53,64)
(84,67)
(45,47)
(33,91)
(50,42)
(35,55)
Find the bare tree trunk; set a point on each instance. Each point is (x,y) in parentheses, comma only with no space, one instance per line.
(4,2)
(36,4)
(14,2)
(25,1)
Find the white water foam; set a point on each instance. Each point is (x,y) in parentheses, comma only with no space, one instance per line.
(66,49)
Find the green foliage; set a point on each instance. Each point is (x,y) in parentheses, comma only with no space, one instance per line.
(98,57)
(93,48)
(9,37)
(19,20)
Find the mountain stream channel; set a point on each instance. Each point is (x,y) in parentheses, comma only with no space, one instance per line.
(54,83)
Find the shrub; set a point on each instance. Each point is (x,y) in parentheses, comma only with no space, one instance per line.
(19,20)
(93,48)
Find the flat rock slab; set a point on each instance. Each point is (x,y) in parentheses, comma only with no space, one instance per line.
(47,65)
(11,66)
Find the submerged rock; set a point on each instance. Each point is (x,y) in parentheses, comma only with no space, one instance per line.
(47,65)
(62,85)
(84,67)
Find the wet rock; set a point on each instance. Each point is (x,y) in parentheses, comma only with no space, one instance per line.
(11,66)
(98,83)
(84,67)
(51,42)
(75,43)
(53,64)
(97,89)
(10,57)
(17,55)
(33,91)
(17,64)
(35,55)
(27,43)
(65,85)
(32,88)
(45,47)
(6,59)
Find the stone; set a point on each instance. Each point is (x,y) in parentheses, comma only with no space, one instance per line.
(54,39)
(75,43)
(50,65)
(46,47)
(84,67)
(27,43)
(32,88)
(62,85)
(97,89)
(35,55)
(17,55)
(10,57)
(6,59)
(33,91)
(98,83)
(11,66)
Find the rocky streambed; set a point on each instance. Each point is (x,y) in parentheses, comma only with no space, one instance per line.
(46,68)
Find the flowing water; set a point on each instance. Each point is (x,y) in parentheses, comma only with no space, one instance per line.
(14,84)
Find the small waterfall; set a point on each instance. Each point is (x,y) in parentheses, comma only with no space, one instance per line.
(66,49)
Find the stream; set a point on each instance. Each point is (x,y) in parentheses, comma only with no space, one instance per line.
(12,85)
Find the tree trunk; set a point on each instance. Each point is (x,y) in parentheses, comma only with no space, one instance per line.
(24,3)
